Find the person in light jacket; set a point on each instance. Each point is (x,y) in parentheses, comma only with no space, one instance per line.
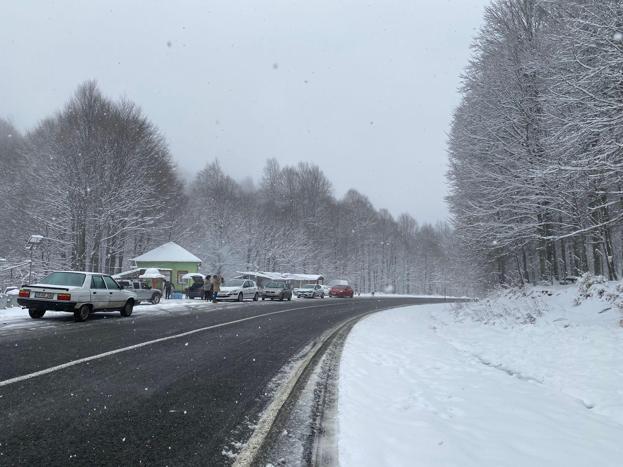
(216,281)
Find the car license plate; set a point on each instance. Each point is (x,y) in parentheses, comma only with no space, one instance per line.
(47,295)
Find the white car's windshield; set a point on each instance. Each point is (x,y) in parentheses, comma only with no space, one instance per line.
(72,279)
(234,283)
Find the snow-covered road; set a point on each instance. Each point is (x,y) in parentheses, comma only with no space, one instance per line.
(437,386)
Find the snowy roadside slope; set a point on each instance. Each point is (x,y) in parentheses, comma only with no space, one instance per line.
(519,380)
(575,349)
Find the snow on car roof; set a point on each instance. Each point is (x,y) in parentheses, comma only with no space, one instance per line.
(152,273)
(283,276)
(77,272)
(169,252)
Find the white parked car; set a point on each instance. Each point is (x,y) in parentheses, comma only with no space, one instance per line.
(239,289)
(80,293)
(8,298)
(310,291)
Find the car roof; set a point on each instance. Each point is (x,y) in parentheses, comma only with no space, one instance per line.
(83,272)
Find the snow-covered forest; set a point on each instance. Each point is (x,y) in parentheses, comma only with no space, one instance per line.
(98,182)
(536,160)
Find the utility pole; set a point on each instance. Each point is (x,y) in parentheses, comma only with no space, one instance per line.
(33,241)
(30,265)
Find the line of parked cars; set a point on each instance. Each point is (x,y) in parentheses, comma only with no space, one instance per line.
(83,293)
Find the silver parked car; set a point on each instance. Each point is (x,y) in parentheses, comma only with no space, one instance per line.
(143,291)
(277,290)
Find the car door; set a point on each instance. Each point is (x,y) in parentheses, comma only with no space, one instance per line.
(136,288)
(253,289)
(115,295)
(99,293)
(247,292)
(145,292)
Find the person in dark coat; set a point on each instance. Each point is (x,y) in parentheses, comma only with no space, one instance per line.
(207,288)
(167,289)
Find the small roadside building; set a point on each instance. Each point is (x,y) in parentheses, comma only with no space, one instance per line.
(173,261)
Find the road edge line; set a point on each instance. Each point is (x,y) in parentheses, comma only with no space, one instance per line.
(254,444)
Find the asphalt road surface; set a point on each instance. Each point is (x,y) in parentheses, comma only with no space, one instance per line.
(169,389)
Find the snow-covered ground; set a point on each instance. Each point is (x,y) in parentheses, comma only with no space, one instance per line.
(17,318)
(520,379)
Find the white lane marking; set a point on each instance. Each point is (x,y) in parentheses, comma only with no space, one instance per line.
(62,366)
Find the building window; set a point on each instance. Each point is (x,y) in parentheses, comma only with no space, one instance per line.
(179,276)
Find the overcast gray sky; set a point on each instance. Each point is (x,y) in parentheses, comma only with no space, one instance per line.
(365,89)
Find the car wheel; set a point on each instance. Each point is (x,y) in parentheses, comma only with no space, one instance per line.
(321,295)
(36,313)
(240,297)
(127,309)
(256,297)
(263,298)
(82,313)
(155,299)
(281,298)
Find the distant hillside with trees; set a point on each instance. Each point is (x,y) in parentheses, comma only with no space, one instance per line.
(98,180)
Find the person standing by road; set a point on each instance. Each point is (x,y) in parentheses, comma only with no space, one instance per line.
(207,288)
(216,281)
(167,289)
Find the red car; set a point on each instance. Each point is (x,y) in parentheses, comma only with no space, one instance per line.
(344,291)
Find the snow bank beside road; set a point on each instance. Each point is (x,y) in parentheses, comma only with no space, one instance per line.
(518,380)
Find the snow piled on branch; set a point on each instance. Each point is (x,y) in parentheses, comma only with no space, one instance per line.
(590,286)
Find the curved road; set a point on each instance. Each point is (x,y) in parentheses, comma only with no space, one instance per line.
(160,388)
